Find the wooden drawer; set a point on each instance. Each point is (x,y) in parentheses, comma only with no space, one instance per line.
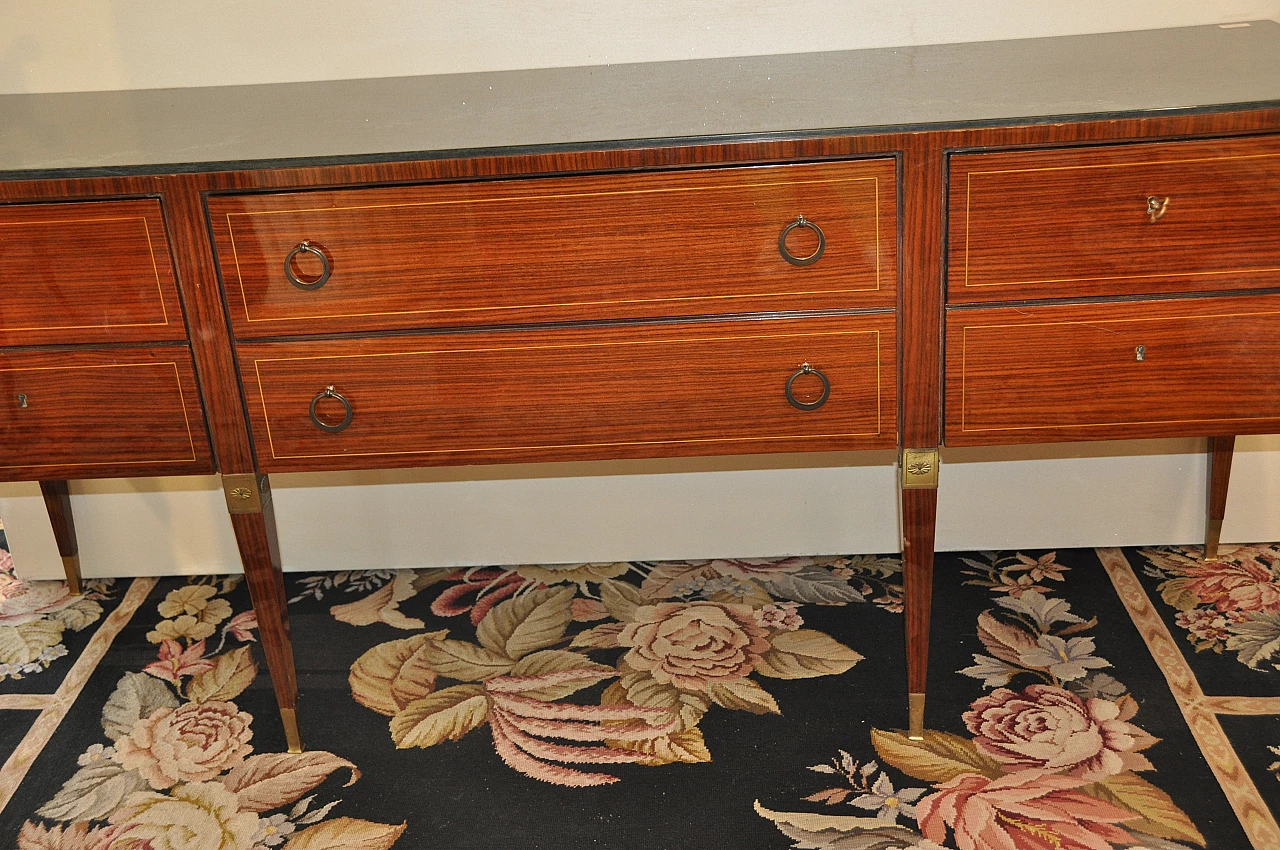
(1043,374)
(566,248)
(658,390)
(97,413)
(86,272)
(1065,223)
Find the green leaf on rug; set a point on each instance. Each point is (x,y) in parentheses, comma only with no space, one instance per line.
(136,696)
(232,672)
(271,780)
(466,662)
(1161,817)
(346,834)
(391,675)
(810,583)
(804,654)
(443,716)
(1179,593)
(940,757)
(79,614)
(92,792)
(1256,639)
(560,661)
(23,644)
(516,627)
(686,746)
(621,599)
(604,636)
(743,695)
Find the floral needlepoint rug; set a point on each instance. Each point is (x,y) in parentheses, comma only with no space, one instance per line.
(1078,700)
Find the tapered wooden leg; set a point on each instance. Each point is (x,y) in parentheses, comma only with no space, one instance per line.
(254,521)
(1220,451)
(919,520)
(57,501)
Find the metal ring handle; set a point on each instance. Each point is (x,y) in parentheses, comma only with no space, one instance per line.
(305,247)
(330,392)
(1157,207)
(791,258)
(806,369)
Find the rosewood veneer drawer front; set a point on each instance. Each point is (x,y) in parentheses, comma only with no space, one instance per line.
(86,272)
(1198,366)
(698,389)
(101,412)
(567,248)
(1117,220)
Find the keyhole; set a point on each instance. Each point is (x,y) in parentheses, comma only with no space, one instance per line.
(22,400)
(1140,353)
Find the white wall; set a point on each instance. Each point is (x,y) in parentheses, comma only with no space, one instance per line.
(1074,495)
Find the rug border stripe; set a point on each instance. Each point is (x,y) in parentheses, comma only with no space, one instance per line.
(1254,814)
(55,709)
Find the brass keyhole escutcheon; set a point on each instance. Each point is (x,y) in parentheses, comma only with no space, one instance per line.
(22,400)
(1140,353)
(1156,207)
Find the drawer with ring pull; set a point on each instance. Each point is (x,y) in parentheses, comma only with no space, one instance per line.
(96,413)
(1116,220)
(700,388)
(1119,370)
(595,247)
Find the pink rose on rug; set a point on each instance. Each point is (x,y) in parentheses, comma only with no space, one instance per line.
(1051,728)
(25,601)
(192,743)
(1028,810)
(692,644)
(1243,584)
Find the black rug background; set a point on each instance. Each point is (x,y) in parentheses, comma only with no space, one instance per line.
(1219,674)
(1250,736)
(13,726)
(458,796)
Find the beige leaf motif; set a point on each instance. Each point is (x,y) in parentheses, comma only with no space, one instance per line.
(743,695)
(22,644)
(346,834)
(559,661)
(271,780)
(232,672)
(643,690)
(940,757)
(443,716)
(686,746)
(1002,640)
(527,623)
(466,662)
(1161,817)
(604,636)
(383,605)
(391,675)
(804,654)
(621,599)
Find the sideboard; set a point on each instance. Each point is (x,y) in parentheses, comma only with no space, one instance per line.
(1029,241)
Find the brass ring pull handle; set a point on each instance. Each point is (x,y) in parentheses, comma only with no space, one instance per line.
(330,392)
(305,247)
(791,258)
(1156,207)
(806,369)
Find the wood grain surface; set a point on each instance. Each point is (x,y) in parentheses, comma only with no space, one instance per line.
(569,248)
(87,272)
(1075,222)
(706,388)
(1073,372)
(100,413)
